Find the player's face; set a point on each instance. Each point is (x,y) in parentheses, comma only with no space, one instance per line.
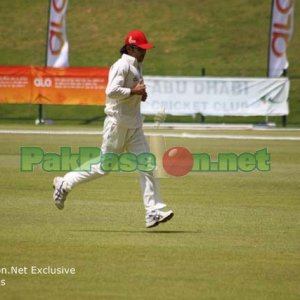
(137,53)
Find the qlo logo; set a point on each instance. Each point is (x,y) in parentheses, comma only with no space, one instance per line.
(42,82)
(56,30)
(282,30)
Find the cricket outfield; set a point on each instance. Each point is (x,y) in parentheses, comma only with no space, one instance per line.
(234,235)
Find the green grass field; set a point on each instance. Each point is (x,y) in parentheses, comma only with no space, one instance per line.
(234,235)
(227,38)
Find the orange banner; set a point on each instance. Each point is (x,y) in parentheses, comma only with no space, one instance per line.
(41,85)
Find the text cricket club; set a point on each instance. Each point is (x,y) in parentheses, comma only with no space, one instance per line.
(199,106)
(176,161)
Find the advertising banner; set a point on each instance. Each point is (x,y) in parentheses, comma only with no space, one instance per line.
(57,44)
(40,85)
(213,96)
(280,34)
(210,96)
(15,84)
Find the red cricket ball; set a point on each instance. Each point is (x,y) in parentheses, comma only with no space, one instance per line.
(178,161)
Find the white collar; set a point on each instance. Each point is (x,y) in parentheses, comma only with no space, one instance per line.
(132,60)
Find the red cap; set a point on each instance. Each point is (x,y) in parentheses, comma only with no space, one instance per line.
(137,38)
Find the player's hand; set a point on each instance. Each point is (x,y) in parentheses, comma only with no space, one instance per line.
(144,97)
(139,89)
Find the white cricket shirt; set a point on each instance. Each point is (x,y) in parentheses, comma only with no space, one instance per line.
(124,74)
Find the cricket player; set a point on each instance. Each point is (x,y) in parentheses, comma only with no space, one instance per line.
(122,129)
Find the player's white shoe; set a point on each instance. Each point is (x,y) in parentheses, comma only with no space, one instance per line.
(59,194)
(156,217)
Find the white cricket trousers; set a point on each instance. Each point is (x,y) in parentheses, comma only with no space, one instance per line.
(117,139)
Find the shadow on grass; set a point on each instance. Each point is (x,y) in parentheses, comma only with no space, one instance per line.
(136,231)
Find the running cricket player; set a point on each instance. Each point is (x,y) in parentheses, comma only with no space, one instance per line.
(122,129)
